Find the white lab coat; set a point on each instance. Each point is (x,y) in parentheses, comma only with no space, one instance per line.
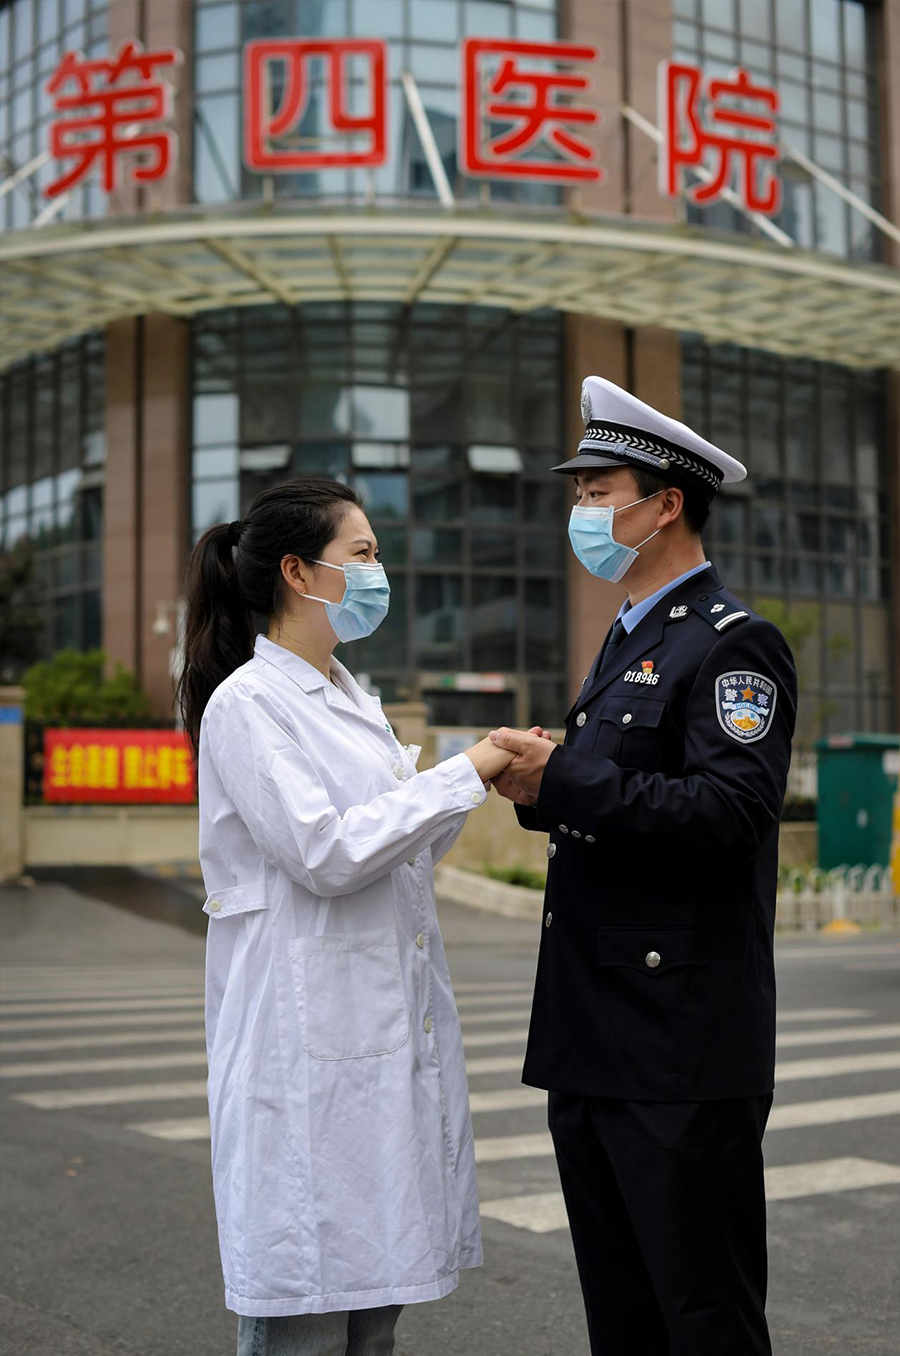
(342,1150)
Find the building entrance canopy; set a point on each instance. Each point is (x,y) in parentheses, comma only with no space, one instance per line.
(63,281)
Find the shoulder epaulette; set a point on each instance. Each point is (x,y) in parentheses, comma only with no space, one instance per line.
(721,613)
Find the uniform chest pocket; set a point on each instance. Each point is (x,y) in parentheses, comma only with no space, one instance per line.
(629,730)
(349,991)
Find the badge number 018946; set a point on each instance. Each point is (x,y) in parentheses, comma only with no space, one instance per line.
(745,704)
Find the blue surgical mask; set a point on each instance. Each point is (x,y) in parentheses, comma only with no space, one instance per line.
(365,603)
(591,535)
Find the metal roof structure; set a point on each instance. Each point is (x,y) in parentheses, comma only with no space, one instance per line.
(60,281)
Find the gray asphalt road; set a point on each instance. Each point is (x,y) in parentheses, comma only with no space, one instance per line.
(109,1241)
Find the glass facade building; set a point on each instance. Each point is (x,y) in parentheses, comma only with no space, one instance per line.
(448,416)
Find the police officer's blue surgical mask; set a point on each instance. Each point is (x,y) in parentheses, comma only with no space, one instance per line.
(365,603)
(591,535)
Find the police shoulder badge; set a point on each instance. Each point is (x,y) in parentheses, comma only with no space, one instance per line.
(745,704)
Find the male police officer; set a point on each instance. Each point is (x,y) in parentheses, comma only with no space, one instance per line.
(653,1023)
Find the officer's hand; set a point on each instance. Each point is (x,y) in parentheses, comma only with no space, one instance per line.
(532,752)
(508,787)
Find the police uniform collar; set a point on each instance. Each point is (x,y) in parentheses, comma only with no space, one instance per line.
(650,629)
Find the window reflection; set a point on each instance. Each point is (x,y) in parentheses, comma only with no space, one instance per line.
(801,536)
(53,479)
(494,622)
(438,622)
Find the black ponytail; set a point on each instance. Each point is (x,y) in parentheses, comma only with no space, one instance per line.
(224,587)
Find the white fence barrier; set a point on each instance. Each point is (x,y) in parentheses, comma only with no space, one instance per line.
(808,899)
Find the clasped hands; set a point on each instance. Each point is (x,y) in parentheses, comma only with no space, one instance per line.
(520,780)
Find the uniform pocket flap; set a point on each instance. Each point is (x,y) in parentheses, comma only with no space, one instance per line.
(630,713)
(652,950)
(236,899)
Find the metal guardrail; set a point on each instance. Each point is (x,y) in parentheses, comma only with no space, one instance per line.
(809,899)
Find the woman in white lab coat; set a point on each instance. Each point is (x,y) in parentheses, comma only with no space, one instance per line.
(342,1151)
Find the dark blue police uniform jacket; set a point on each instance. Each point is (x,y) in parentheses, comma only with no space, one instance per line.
(655,978)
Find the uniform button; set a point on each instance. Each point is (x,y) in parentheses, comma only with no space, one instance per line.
(411,861)
(420,940)
(551,850)
(215,905)
(626,719)
(652,959)
(563,829)
(398,771)
(580,718)
(477,797)
(589,838)
(548,920)
(429,1025)
(575,833)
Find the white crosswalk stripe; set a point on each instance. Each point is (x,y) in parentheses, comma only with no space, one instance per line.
(127,1019)
(62,1099)
(115,1064)
(32,1045)
(887,1031)
(543,1212)
(101,1005)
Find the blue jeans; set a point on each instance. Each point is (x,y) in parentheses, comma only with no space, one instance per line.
(361,1332)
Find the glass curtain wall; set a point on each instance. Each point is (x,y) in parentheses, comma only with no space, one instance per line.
(422,37)
(446,420)
(805,537)
(52,461)
(821,56)
(33,36)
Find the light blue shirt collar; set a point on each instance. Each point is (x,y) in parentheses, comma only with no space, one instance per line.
(630,616)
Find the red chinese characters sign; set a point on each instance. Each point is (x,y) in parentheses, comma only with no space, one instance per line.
(503,81)
(289,62)
(146,766)
(741,132)
(522,116)
(110,107)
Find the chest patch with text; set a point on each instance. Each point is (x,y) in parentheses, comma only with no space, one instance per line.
(745,704)
(645,674)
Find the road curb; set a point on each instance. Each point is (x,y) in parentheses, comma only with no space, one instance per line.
(481,892)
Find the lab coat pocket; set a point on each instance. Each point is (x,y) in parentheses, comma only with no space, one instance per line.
(350,994)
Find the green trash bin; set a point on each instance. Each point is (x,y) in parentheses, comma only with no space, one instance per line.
(857,780)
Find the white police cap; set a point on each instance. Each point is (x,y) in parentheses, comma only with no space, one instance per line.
(620,430)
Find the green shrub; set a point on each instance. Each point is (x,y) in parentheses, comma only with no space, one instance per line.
(516,875)
(70,689)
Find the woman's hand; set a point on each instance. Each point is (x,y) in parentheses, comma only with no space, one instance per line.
(489,760)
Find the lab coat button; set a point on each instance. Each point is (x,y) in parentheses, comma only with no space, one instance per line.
(548,920)
(215,905)
(429,1024)
(411,861)
(398,771)
(477,797)
(652,959)
(420,940)
(551,850)
(580,718)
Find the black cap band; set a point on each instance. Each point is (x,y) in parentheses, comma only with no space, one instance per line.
(650,452)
